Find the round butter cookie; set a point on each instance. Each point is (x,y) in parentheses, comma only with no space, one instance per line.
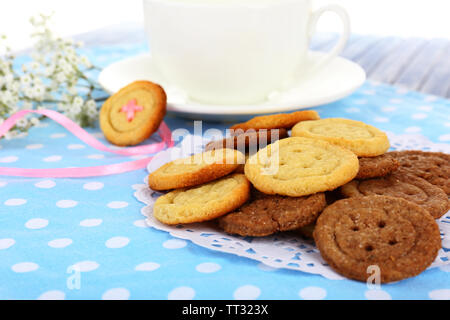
(359,236)
(268,214)
(300,166)
(277,121)
(204,202)
(402,185)
(363,139)
(133,114)
(196,169)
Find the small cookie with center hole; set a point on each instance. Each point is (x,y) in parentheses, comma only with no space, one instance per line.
(392,236)
(363,139)
(300,166)
(268,214)
(202,203)
(196,169)
(133,114)
(402,185)
(276,121)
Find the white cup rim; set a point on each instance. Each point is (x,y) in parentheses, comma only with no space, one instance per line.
(255,4)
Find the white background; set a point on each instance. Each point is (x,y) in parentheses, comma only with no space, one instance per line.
(421,18)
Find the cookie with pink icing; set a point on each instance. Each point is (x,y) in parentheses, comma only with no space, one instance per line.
(134,113)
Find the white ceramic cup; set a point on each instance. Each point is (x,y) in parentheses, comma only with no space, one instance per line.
(235,51)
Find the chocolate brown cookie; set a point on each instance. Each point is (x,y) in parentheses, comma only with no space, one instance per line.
(431,166)
(379,166)
(248,141)
(392,234)
(307,231)
(267,214)
(402,185)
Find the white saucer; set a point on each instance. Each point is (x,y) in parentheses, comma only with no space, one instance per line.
(338,80)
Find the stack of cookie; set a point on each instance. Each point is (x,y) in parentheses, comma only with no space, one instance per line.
(387,218)
(297,182)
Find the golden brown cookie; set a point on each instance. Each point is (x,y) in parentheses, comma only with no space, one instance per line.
(133,114)
(363,139)
(431,166)
(402,185)
(268,214)
(374,167)
(276,121)
(249,140)
(196,169)
(204,202)
(392,234)
(299,166)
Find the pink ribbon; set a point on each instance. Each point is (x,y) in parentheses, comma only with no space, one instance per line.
(84,136)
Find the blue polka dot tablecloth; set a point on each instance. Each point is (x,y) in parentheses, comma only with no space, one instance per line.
(86,238)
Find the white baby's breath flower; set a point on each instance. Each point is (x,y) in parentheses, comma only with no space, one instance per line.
(8,78)
(91,104)
(78,102)
(6,97)
(49,70)
(54,77)
(67,69)
(72,90)
(75,109)
(28,92)
(14,87)
(35,65)
(35,121)
(38,57)
(92,113)
(27,105)
(25,79)
(60,77)
(38,92)
(84,60)
(22,123)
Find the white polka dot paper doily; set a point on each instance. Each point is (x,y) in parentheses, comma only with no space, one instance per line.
(282,250)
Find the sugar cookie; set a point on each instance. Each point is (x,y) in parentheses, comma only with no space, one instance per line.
(133,114)
(204,202)
(363,139)
(276,121)
(196,169)
(300,166)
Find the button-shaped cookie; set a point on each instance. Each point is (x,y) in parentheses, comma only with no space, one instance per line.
(361,138)
(389,234)
(299,166)
(133,114)
(204,202)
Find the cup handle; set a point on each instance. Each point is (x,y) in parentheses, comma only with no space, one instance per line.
(337,49)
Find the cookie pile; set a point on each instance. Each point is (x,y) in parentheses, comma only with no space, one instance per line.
(331,179)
